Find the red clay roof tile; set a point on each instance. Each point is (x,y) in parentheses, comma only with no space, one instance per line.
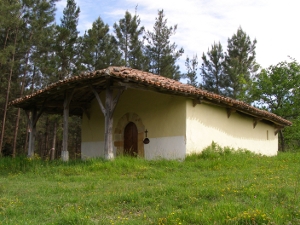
(155,81)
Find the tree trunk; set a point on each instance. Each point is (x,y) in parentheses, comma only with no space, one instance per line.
(19,110)
(16,133)
(6,38)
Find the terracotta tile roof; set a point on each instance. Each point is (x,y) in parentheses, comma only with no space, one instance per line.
(55,91)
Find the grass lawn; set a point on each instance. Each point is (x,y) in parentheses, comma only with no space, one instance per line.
(211,188)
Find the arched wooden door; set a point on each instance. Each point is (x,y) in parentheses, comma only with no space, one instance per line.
(131,139)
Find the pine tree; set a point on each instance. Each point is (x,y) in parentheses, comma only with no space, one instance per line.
(99,48)
(212,70)
(127,32)
(161,53)
(11,24)
(240,64)
(67,38)
(192,67)
(38,16)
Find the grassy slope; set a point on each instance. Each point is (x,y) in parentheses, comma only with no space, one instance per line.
(212,188)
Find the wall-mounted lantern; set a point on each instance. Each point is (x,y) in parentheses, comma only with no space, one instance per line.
(146,140)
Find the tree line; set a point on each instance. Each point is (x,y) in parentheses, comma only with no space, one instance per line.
(36,51)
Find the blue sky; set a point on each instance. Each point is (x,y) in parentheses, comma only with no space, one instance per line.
(274,23)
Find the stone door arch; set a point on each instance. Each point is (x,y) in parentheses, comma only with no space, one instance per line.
(119,133)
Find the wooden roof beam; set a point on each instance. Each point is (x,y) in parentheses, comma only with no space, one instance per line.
(60,104)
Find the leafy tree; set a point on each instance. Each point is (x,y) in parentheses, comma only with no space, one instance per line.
(276,89)
(127,32)
(192,67)
(67,38)
(212,70)
(240,64)
(161,53)
(99,47)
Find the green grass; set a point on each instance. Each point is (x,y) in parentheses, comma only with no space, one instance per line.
(217,187)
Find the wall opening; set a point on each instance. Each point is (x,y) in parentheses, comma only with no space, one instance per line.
(130,139)
(125,120)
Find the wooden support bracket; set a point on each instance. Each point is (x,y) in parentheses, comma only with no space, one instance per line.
(255,121)
(196,101)
(108,109)
(86,112)
(116,99)
(229,111)
(277,129)
(98,99)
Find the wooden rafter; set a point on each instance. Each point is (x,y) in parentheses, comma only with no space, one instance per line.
(60,104)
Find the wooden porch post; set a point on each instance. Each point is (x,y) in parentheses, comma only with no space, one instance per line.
(108,140)
(33,117)
(108,111)
(64,152)
(32,130)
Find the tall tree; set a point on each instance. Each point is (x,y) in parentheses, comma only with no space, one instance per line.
(161,52)
(67,37)
(11,22)
(240,64)
(38,15)
(276,89)
(192,67)
(212,70)
(128,32)
(99,48)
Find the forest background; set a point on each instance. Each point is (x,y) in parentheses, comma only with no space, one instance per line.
(36,51)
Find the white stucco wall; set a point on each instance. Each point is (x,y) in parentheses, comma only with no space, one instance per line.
(92,149)
(162,115)
(206,123)
(176,128)
(166,147)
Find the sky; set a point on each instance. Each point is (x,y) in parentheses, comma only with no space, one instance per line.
(275,24)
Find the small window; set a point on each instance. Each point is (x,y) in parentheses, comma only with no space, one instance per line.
(267,135)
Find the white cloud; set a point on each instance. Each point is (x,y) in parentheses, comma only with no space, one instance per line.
(202,22)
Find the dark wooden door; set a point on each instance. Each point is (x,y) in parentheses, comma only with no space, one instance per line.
(131,139)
